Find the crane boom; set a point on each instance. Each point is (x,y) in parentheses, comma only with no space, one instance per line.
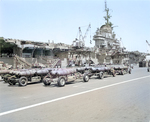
(80,34)
(81,43)
(83,37)
(87,31)
(147,43)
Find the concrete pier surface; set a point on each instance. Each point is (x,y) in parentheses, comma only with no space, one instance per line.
(124,98)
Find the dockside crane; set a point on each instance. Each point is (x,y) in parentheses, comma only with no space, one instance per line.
(80,43)
(148,44)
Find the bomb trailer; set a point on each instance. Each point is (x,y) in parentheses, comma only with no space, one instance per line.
(61,75)
(24,76)
(121,69)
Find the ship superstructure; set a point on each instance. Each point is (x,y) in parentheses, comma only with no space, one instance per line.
(110,50)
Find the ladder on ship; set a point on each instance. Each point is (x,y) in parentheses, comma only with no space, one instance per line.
(54,63)
(51,61)
(22,62)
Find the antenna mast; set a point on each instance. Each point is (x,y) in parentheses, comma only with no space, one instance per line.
(105,5)
(108,16)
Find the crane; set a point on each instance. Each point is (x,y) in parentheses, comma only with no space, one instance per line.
(81,42)
(147,43)
(85,35)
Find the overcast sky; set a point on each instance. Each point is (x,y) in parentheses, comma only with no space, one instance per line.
(59,20)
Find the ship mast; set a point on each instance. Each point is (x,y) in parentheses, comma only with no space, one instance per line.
(108,16)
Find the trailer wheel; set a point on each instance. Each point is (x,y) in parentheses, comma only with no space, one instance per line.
(23,81)
(46,82)
(86,78)
(101,75)
(61,81)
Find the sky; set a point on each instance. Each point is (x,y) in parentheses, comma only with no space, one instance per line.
(59,20)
